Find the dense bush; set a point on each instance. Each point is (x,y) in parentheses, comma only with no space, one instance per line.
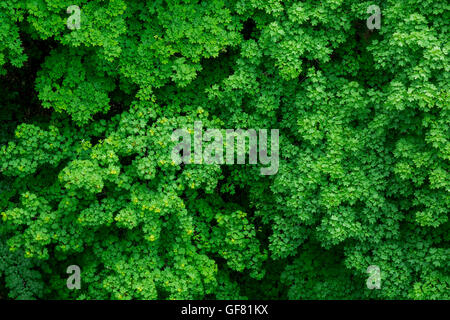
(86,176)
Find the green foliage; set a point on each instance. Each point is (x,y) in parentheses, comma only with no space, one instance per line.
(86,175)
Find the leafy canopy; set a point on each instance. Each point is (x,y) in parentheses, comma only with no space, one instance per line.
(86,176)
